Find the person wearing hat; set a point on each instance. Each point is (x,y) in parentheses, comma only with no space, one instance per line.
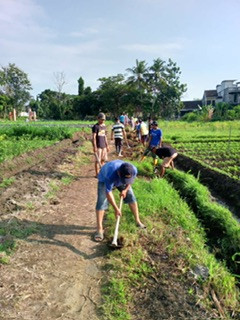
(168,154)
(99,140)
(155,141)
(115,174)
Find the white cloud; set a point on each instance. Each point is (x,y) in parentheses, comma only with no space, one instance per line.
(84,33)
(164,49)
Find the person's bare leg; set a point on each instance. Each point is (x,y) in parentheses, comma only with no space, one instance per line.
(99,216)
(96,168)
(134,208)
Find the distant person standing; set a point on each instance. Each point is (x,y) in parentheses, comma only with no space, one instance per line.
(143,132)
(118,132)
(99,140)
(126,120)
(122,118)
(155,141)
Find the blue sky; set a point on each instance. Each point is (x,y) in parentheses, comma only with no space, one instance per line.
(101,38)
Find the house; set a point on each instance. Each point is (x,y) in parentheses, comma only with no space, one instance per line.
(191,106)
(209,97)
(228,91)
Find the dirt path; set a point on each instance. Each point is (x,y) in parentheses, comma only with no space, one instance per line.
(56,272)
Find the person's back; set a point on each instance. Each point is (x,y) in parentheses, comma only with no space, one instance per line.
(118,130)
(143,129)
(122,118)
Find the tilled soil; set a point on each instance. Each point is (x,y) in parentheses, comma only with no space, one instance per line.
(55,273)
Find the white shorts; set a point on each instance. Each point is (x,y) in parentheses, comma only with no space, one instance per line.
(102,154)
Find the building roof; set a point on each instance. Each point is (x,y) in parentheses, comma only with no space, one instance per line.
(210,93)
(192,105)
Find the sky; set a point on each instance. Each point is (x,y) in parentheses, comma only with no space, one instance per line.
(101,38)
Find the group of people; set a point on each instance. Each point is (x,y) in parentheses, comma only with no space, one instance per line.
(120,174)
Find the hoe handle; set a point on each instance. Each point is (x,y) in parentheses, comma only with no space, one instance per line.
(114,242)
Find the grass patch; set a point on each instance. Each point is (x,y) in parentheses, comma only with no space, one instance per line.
(10,232)
(7,182)
(172,224)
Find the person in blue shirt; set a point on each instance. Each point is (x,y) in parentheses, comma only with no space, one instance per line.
(115,174)
(122,118)
(155,141)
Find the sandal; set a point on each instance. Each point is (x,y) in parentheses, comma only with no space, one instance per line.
(141,226)
(99,236)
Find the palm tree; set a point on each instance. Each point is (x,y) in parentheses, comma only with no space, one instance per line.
(138,77)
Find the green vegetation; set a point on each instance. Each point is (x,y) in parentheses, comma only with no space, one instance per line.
(223,231)
(18,139)
(6,182)
(172,224)
(9,232)
(222,155)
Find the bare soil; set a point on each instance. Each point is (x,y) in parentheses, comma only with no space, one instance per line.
(56,272)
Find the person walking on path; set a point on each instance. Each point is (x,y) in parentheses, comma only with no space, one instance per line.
(121,175)
(100,144)
(143,132)
(118,132)
(155,141)
(168,154)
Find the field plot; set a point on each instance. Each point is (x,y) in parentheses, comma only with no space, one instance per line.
(215,145)
(18,139)
(179,131)
(222,155)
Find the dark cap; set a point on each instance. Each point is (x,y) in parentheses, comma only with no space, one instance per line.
(126,172)
(154,123)
(101,116)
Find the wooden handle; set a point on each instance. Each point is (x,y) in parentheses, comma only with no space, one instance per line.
(114,242)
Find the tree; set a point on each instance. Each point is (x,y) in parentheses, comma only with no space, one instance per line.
(138,79)
(80,86)
(159,87)
(4,105)
(60,81)
(14,84)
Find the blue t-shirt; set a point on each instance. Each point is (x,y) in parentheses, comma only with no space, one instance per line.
(122,118)
(109,175)
(156,135)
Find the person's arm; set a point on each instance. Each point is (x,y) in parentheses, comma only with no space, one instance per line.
(124,192)
(94,141)
(150,141)
(112,201)
(112,135)
(160,143)
(125,136)
(106,143)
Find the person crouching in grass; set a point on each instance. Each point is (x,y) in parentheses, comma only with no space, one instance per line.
(168,154)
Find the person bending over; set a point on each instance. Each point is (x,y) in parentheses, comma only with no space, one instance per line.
(121,175)
(168,154)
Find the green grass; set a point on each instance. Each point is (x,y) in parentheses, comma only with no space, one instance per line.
(7,182)
(10,232)
(178,230)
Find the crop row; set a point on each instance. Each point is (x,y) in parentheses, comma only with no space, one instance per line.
(222,155)
(15,139)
